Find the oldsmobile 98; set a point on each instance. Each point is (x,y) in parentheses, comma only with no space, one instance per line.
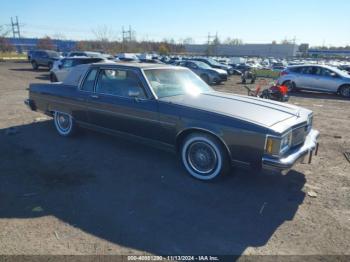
(174,108)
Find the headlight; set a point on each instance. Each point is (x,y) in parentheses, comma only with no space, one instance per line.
(278,145)
(214,74)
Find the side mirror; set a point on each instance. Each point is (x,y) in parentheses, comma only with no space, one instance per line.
(60,66)
(334,75)
(134,94)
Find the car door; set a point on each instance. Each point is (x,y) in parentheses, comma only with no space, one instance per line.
(327,80)
(306,78)
(121,103)
(40,57)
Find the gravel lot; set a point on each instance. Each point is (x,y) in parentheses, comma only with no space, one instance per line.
(97,194)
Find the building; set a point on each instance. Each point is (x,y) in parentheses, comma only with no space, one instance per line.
(329,53)
(25,44)
(260,50)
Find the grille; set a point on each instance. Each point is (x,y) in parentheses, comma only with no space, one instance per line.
(299,134)
(223,76)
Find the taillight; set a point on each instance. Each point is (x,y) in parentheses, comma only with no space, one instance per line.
(283,73)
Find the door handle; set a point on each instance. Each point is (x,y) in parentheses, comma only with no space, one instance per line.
(94,96)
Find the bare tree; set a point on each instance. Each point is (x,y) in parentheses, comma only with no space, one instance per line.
(188,41)
(3,31)
(5,45)
(233,41)
(103,33)
(45,43)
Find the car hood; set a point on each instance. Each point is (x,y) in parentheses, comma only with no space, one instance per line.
(263,112)
(225,67)
(220,71)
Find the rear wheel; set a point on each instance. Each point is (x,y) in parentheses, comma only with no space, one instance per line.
(344,91)
(290,85)
(35,65)
(204,157)
(64,124)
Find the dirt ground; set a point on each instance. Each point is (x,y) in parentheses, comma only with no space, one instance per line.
(98,194)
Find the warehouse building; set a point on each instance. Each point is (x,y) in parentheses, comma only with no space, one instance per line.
(26,44)
(263,50)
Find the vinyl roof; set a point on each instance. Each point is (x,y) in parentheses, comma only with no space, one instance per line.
(136,65)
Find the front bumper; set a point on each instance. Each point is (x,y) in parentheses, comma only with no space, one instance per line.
(30,103)
(293,156)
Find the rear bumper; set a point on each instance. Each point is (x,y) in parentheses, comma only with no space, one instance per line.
(294,156)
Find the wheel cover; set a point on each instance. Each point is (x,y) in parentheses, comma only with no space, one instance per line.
(64,122)
(345,91)
(289,85)
(202,157)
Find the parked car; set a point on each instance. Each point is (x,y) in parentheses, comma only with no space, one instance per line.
(316,77)
(172,107)
(214,64)
(345,68)
(242,67)
(62,67)
(208,74)
(86,54)
(44,58)
(29,54)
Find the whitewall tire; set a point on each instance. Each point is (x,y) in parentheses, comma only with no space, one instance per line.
(64,124)
(203,157)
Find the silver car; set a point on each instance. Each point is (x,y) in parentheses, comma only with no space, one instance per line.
(316,77)
(63,67)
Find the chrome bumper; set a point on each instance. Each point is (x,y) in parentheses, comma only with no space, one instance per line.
(30,103)
(286,162)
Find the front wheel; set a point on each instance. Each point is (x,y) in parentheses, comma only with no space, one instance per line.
(35,65)
(64,124)
(204,157)
(344,91)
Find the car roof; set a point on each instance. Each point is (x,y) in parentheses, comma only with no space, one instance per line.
(83,58)
(135,65)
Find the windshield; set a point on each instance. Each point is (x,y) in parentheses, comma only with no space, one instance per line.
(213,62)
(202,65)
(173,82)
(338,71)
(53,54)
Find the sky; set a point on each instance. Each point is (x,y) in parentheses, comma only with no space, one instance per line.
(316,22)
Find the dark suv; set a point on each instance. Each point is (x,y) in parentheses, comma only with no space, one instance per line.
(44,58)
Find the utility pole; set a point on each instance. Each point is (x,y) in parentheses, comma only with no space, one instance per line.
(126,35)
(15,28)
(16,32)
(210,37)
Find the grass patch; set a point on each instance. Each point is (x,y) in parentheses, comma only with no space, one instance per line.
(11,55)
(267,73)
